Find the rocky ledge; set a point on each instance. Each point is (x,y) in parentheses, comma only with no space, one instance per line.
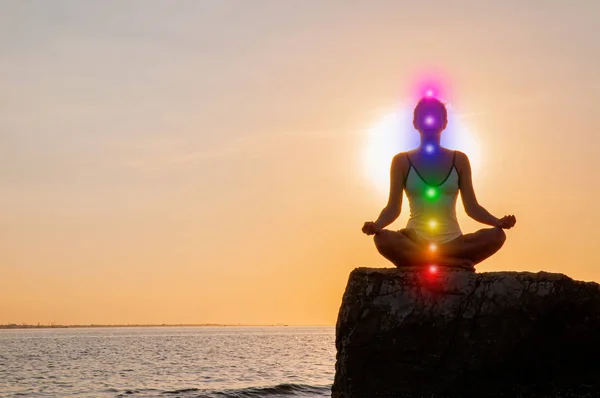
(419,333)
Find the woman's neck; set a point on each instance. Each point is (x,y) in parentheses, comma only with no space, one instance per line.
(430,145)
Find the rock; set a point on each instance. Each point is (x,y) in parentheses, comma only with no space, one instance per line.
(415,333)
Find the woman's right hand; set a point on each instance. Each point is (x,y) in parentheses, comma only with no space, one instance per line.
(371,228)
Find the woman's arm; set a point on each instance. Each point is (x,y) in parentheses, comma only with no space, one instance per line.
(472,207)
(392,210)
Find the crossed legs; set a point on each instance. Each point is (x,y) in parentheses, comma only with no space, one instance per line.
(405,248)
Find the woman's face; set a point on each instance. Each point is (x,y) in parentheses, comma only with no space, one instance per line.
(430,119)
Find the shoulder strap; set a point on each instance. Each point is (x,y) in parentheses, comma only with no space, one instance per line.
(410,166)
(455,168)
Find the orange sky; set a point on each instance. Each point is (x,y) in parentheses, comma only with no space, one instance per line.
(190,162)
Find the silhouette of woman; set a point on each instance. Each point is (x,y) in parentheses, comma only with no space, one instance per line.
(432,177)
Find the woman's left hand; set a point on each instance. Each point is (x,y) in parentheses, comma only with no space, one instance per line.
(507,222)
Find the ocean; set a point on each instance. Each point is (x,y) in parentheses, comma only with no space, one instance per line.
(206,362)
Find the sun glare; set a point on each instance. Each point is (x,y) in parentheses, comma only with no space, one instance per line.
(394,133)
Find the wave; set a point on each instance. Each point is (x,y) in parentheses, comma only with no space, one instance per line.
(288,390)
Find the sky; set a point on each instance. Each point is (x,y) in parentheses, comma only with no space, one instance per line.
(207,161)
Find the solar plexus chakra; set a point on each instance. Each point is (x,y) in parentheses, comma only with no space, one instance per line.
(432,224)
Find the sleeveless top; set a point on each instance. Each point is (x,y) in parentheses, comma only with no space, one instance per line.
(433,207)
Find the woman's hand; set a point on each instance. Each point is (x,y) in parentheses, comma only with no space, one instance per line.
(507,222)
(371,228)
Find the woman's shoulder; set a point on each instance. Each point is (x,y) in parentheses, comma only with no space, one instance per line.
(461,161)
(401,162)
(402,156)
(460,156)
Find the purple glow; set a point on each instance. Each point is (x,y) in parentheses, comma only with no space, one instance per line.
(429,93)
(429,120)
(429,148)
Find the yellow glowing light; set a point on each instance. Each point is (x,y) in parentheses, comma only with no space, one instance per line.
(432,224)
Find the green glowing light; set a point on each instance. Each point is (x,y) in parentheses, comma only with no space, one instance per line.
(431,193)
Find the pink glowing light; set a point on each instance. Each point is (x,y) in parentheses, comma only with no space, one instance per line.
(431,84)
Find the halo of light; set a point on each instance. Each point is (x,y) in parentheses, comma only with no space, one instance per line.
(394,133)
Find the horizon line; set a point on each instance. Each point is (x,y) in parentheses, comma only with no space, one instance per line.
(93,325)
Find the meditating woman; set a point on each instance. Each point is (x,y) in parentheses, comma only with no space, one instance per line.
(432,176)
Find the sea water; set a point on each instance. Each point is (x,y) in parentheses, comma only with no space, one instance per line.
(231,361)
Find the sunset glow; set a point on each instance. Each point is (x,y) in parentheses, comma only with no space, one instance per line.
(204,162)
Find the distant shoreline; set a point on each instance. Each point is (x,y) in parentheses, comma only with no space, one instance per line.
(15,326)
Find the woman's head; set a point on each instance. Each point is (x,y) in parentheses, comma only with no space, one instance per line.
(430,116)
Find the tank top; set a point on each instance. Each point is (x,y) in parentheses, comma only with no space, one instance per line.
(433,207)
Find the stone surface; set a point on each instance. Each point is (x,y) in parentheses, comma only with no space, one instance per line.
(412,333)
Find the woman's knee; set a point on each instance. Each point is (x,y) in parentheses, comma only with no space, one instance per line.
(498,236)
(383,240)
(388,242)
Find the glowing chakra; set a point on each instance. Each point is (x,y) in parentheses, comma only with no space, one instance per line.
(431,192)
(432,224)
(432,247)
(429,93)
(429,148)
(433,269)
(430,120)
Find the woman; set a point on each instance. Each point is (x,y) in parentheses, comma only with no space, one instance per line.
(432,176)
